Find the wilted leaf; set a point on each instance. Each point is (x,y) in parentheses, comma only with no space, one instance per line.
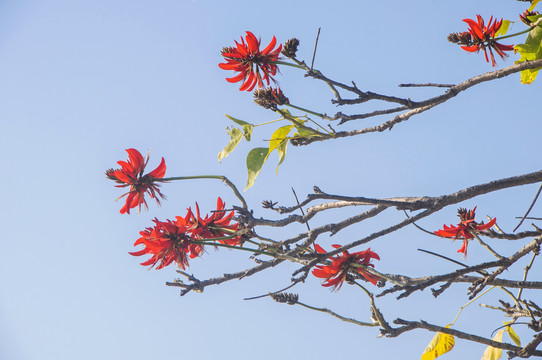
(441,344)
(492,353)
(247,127)
(513,335)
(503,29)
(236,136)
(255,160)
(531,50)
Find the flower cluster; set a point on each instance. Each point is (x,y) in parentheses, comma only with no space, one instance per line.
(167,242)
(248,60)
(131,174)
(481,37)
(215,226)
(176,241)
(465,229)
(336,273)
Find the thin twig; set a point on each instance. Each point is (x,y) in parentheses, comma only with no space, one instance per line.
(332,313)
(315,46)
(493,252)
(425,231)
(527,268)
(529,209)
(301,209)
(481,272)
(427,84)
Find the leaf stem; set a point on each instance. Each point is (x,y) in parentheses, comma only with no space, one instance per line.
(534,25)
(470,302)
(278,62)
(350,320)
(306,110)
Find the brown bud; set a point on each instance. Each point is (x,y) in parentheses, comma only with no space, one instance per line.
(269,98)
(289,298)
(290,48)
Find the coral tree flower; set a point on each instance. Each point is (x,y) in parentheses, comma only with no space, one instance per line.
(248,60)
(215,226)
(465,229)
(335,274)
(482,37)
(177,241)
(131,174)
(168,241)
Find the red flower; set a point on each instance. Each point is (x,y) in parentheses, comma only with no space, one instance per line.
(248,60)
(465,229)
(335,274)
(215,226)
(168,242)
(482,37)
(131,174)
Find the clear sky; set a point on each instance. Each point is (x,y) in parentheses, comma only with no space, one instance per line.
(81,81)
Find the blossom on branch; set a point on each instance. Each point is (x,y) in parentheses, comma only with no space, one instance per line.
(524,17)
(336,273)
(217,225)
(465,229)
(248,60)
(481,37)
(131,174)
(168,242)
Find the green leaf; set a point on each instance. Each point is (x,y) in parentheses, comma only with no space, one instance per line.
(492,353)
(236,136)
(255,160)
(531,50)
(441,344)
(512,334)
(503,29)
(247,127)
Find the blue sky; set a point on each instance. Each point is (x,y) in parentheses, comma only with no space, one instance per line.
(83,80)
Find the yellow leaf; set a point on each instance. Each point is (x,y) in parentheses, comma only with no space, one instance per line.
(533,4)
(503,29)
(441,344)
(492,353)
(513,335)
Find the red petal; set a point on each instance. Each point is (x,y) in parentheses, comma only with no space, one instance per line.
(463,248)
(319,249)
(487,226)
(136,159)
(252,42)
(270,46)
(237,78)
(475,28)
(472,48)
(160,170)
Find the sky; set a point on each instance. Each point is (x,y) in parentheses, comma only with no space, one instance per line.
(81,81)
